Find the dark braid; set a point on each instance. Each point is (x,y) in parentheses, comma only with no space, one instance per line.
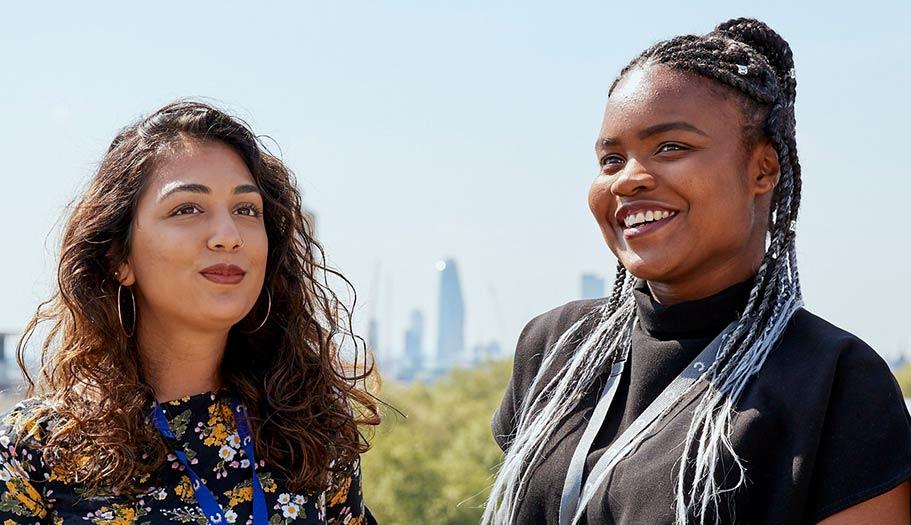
(617,291)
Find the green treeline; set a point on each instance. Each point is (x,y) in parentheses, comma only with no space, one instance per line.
(436,466)
(904,379)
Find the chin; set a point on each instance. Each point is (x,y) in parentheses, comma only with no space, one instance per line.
(222,317)
(219,323)
(646,267)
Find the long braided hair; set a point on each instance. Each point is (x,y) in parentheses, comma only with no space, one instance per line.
(752,61)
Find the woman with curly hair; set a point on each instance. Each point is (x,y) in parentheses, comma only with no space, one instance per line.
(192,372)
(700,391)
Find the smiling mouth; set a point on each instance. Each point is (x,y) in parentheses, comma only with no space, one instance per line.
(647,217)
(646,222)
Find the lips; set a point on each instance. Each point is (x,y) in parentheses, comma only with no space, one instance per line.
(639,218)
(223,273)
(650,210)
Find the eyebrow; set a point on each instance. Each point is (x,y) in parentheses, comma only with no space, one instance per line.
(654,130)
(201,188)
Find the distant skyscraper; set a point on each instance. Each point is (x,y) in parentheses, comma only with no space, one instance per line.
(489,351)
(9,371)
(373,335)
(310,219)
(382,356)
(413,359)
(451,319)
(592,286)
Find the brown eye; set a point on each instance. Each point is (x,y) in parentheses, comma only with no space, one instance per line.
(187,209)
(671,146)
(249,210)
(611,160)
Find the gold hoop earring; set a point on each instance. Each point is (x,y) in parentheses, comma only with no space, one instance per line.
(120,312)
(268,311)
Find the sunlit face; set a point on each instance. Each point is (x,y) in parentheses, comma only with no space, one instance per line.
(199,247)
(678,196)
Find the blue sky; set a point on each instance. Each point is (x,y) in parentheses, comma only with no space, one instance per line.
(425,130)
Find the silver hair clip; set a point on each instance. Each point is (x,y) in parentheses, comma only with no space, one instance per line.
(792,73)
(743,70)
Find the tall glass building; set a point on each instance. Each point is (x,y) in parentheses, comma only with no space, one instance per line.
(451,319)
(592,286)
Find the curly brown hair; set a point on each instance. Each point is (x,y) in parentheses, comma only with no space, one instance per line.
(307,403)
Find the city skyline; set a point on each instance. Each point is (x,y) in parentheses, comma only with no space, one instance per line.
(412,361)
(419,130)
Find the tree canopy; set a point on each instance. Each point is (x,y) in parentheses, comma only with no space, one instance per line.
(437,465)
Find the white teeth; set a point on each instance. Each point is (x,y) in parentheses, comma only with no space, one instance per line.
(648,216)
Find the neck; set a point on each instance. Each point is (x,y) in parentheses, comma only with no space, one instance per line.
(180,362)
(704,282)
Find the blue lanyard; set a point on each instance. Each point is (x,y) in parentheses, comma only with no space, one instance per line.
(204,497)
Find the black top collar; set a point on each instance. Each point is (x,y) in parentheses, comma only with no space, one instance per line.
(690,319)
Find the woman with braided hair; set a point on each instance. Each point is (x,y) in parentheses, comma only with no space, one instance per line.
(700,391)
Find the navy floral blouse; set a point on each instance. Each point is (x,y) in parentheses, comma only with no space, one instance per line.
(203,425)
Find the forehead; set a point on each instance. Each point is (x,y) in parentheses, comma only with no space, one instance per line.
(655,94)
(213,164)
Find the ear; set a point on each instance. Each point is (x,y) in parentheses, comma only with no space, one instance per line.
(123,271)
(124,274)
(765,169)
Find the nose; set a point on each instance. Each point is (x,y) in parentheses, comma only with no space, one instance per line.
(225,234)
(632,179)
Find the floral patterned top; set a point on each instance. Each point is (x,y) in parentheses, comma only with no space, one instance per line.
(204,427)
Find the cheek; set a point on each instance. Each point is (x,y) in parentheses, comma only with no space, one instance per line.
(257,246)
(600,200)
(724,211)
(157,255)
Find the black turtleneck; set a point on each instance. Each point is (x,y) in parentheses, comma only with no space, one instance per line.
(822,427)
(665,340)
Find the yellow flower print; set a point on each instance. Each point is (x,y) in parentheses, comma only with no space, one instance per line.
(268,483)
(184,490)
(115,515)
(219,426)
(23,492)
(178,402)
(31,428)
(57,474)
(341,492)
(239,495)
(244,492)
